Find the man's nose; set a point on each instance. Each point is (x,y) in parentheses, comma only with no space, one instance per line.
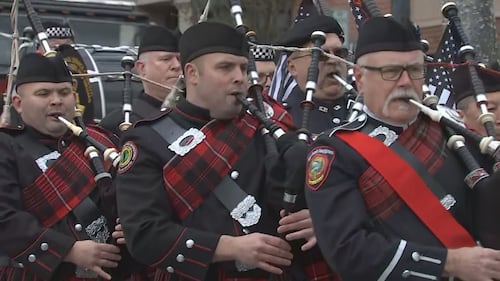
(405,79)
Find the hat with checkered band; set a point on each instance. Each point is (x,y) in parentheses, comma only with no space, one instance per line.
(261,53)
(58,30)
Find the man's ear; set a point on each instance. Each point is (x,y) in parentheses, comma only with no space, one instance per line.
(16,102)
(191,73)
(139,67)
(357,77)
(292,68)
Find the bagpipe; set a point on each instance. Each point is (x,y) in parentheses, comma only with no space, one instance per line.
(77,126)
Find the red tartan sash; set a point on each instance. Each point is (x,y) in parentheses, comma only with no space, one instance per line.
(398,173)
(63,185)
(189,179)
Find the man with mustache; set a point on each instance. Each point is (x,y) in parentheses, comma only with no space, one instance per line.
(329,99)
(55,220)
(158,60)
(387,197)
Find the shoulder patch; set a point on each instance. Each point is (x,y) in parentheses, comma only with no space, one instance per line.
(128,155)
(319,162)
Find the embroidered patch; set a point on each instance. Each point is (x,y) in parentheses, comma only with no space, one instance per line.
(189,140)
(319,162)
(128,155)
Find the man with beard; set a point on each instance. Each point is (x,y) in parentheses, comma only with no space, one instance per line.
(466,104)
(329,99)
(387,197)
(195,201)
(159,62)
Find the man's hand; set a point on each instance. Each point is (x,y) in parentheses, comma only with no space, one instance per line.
(473,264)
(94,256)
(118,234)
(298,226)
(258,250)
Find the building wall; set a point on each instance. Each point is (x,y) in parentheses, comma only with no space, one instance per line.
(425,13)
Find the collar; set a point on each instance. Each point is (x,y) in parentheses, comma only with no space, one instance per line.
(52,142)
(297,96)
(150,100)
(193,113)
(396,127)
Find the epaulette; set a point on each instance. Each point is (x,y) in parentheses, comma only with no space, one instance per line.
(354,125)
(12,129)
(159,116)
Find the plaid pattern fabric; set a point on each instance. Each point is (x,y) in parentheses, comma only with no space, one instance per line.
(64,185)
(190,178)
(424,140)
(320,270)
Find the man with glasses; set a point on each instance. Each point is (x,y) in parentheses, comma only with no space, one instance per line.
(264,62)
(329,99)
(387,197)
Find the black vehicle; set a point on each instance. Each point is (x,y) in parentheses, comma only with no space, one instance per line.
(95,23)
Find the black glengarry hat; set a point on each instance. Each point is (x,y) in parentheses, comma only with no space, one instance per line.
(211,37)
(157,38)
(38,68)
(462,85)
(386,34)
(300,33)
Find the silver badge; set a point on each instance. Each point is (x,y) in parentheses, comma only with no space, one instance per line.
(247,213)
(390,135)
(448,201)
(43,160)
(98,231)
(241,267)
(189,140)
(323,108)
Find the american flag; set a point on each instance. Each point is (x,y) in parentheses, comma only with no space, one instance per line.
(359,12)
(438,76)
(283,82)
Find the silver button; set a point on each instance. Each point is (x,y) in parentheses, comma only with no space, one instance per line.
(20,265)
(285,104)
(235,175)
(180,258)
(189,243)
(336,120)
(31,258)
(78,227)
(170,269)
(44,246)
(416,256)
(406,273)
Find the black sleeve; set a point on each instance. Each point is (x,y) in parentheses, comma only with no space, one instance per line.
(22,237)
(343,226)
(154,235)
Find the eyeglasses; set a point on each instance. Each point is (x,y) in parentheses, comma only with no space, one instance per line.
(339,52)
(394,72)
(263,76)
